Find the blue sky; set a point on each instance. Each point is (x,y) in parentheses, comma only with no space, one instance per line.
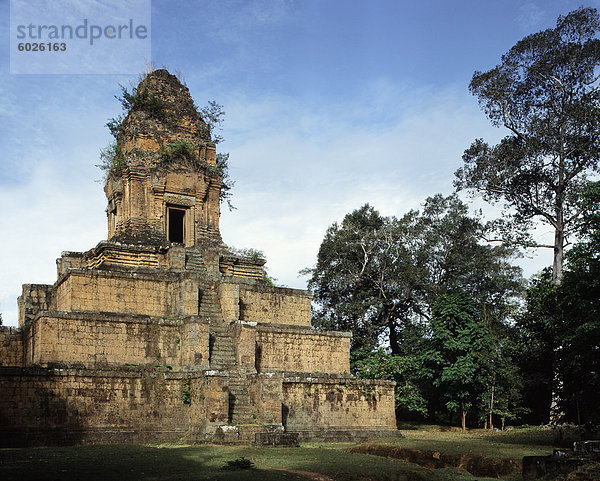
(329,103)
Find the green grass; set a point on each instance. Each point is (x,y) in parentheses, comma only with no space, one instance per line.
(513,444)
(204,462)
(189,463)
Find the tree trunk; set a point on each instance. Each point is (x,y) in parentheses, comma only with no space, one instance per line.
(394,341)
(559,227)
(557,265)
(464,416)
(492,405)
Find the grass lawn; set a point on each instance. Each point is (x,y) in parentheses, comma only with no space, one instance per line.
(512,444)
(174,462)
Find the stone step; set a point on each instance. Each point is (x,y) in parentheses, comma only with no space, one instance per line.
(215,313)
(217,366)
(223,358)
(229,366)
(221,347)
(218,352)
(220,328)
(223,351)
(223,362)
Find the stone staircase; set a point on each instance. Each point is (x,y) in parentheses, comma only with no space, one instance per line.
(209,306)
(194,261)
(240,409)
(222,351)
(222,358)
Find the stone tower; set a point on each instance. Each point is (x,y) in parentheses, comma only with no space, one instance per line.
(161,332)
(164,183)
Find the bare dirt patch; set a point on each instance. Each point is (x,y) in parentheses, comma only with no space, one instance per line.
(476,465)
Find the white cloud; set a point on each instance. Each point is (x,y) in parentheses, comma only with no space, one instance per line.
(294,181)
(56,210)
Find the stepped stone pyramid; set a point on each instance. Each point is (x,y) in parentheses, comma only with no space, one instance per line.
(160,332)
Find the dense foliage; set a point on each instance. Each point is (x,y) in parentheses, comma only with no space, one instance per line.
(434,308)
(561,330)
(379,276)
(386,279)
(459,340)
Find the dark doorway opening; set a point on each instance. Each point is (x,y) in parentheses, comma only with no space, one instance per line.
(257,357)
(285,412)
(176,225)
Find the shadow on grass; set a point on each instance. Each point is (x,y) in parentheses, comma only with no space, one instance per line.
(170,463)
(122,463)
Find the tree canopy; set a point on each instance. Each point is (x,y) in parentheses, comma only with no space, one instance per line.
(378,276)
(546,92)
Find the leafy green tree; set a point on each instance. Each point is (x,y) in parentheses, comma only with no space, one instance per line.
(366,279)
(546,93)
(459,340)
(406,370)
(379,276)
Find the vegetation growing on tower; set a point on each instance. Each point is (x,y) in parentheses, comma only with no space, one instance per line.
(141,100)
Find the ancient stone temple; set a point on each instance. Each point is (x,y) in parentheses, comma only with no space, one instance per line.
(161,332)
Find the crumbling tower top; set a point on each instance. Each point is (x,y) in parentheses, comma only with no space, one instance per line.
(163,184)
(161,114)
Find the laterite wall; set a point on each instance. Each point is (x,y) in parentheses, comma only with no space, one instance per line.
(281,348)
(132,293)
(98,340)
(337,404)
(71,406)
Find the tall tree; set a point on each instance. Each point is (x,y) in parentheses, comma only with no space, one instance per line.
(546,92)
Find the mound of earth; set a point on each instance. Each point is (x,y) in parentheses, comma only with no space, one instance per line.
(476,465)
